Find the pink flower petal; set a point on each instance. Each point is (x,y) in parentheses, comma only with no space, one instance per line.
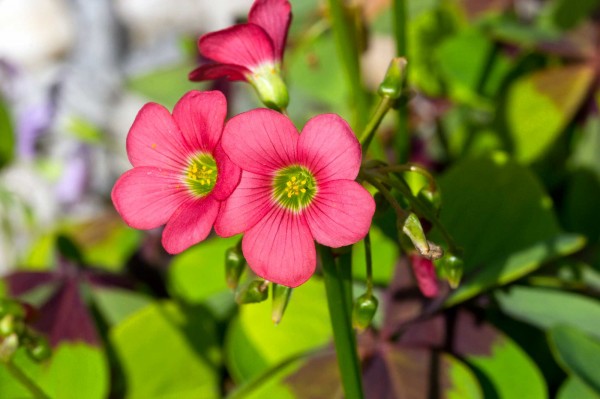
(215,71)
(248,204)
(424,271)
(280,248)
(155,140)
(341,213)
(146,197)
(190,224)
(228,176)
(200,117)
(274,16)
(329,149)
(260,141)
(245,45)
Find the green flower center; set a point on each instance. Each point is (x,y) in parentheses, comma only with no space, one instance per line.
(201,174)
(294,187)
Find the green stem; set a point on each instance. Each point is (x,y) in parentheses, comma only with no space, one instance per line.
(369,263)
(410,167)
(402,139)
(336,280)
(367,135)
(346,38)
(31,386)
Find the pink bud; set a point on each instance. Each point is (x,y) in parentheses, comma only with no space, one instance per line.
(424,271)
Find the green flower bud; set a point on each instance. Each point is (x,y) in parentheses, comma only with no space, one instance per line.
(234,266)
(281,298)
(252,291)
(364,311)
(394,79)
(451,267)
(40,350)
(11,324)
(8,347)
(411,226)
(269,85)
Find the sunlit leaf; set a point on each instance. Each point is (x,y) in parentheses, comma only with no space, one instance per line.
(168,352)
(540,105)
(573,388)
(305,326)
(117,304)
(547,308)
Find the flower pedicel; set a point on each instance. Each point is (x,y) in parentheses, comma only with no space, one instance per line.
(295,189)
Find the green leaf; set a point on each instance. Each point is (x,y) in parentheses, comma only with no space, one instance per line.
(116,304)
(498,213)
(198,273)
(573,388)
(7,135)
(540,105)
(566,14)
(547,308)
(168,352)
(304,327)
(503,368)
(578,354)
(74,371)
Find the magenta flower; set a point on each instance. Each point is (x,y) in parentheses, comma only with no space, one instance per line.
(295,188)
(252,51)
(180,172)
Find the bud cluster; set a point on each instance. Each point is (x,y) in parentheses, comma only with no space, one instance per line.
(15,333)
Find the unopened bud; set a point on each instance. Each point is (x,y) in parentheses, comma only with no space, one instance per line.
(253,291)
(269,86)
(40,350)
(234,266)
(281,298)
(364,310)
(452,269)
(393,82)
(411,226)
(11,324)
(424,272)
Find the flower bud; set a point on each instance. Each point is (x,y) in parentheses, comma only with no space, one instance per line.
(253,291)
(364,310)
(452,269)
(269,85)
(393,82)
(40,350)
(281,298)
(8,347)
(424,272)
(11,325)
(411,226)
(234,266)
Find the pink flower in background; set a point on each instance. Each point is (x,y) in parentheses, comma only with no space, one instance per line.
(180,173)
(424,271)
(252,51)
(295,188)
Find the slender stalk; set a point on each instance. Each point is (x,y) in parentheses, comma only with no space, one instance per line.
(31,386)
(369,263)
(336,279)
(400,212)
(399,20)
(369,132)
(346,38)
(410,167)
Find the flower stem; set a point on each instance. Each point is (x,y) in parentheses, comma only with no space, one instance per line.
(367,135)
(31,386)
(369,263)
(336,282)
(410,167)
(399,19)
(346,38)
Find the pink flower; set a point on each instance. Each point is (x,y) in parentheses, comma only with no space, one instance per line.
(424,271)
(295,188)
(180,172)
(252,51)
